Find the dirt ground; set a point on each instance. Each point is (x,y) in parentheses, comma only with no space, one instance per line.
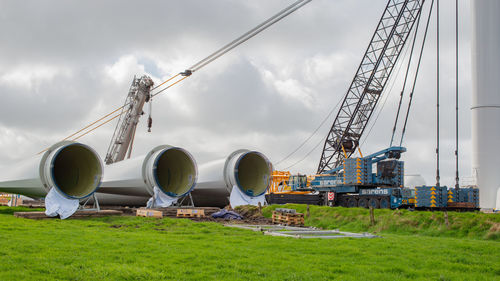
(250,214)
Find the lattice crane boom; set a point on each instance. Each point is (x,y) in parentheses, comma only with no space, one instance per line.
(121,142)
(368,84)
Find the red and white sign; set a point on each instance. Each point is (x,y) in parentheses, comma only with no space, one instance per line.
(331,196)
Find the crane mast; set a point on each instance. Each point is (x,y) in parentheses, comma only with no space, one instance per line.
(121,142)
(372,75)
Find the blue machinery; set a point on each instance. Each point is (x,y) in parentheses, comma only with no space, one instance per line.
(377,181)
(354,183)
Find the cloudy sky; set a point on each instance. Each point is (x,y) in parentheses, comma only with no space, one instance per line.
(63,64)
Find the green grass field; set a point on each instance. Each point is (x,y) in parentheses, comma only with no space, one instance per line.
(133,248)
(474,225)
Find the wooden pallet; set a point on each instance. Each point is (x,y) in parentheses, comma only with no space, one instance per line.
(33,204)
(465,205)
(190,213)
(172,211)
(288,219)
(78,214)
(143,212)
(10,200)
(4,201)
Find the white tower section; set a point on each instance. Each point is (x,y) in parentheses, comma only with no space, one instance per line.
(486,100)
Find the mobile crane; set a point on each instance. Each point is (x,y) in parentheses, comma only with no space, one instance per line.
(377,181)
(141,89)
(337,174)
(349,181)
(355,185)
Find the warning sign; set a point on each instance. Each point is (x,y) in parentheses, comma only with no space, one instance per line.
(331,196)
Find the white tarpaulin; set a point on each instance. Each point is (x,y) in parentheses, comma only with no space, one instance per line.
(160,199)
(58,204)
(238,198)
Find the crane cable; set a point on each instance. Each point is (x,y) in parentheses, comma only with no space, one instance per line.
(438,177)
(104,123)
(406,78)
(416,74)
(114,117)
(457,178)
(312,134)
(160,91)
(309,153)
(168,80)
(306,140)
(326,118)
(187,73)
(88,126)
(380,107)
(238,41)
(251,33)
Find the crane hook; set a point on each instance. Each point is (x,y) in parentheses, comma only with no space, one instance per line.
(150,119)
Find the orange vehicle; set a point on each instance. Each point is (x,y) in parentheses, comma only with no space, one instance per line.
(283,182)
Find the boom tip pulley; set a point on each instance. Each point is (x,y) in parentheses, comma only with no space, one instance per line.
(186,72)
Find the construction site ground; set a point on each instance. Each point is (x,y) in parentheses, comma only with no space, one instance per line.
(250,214)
